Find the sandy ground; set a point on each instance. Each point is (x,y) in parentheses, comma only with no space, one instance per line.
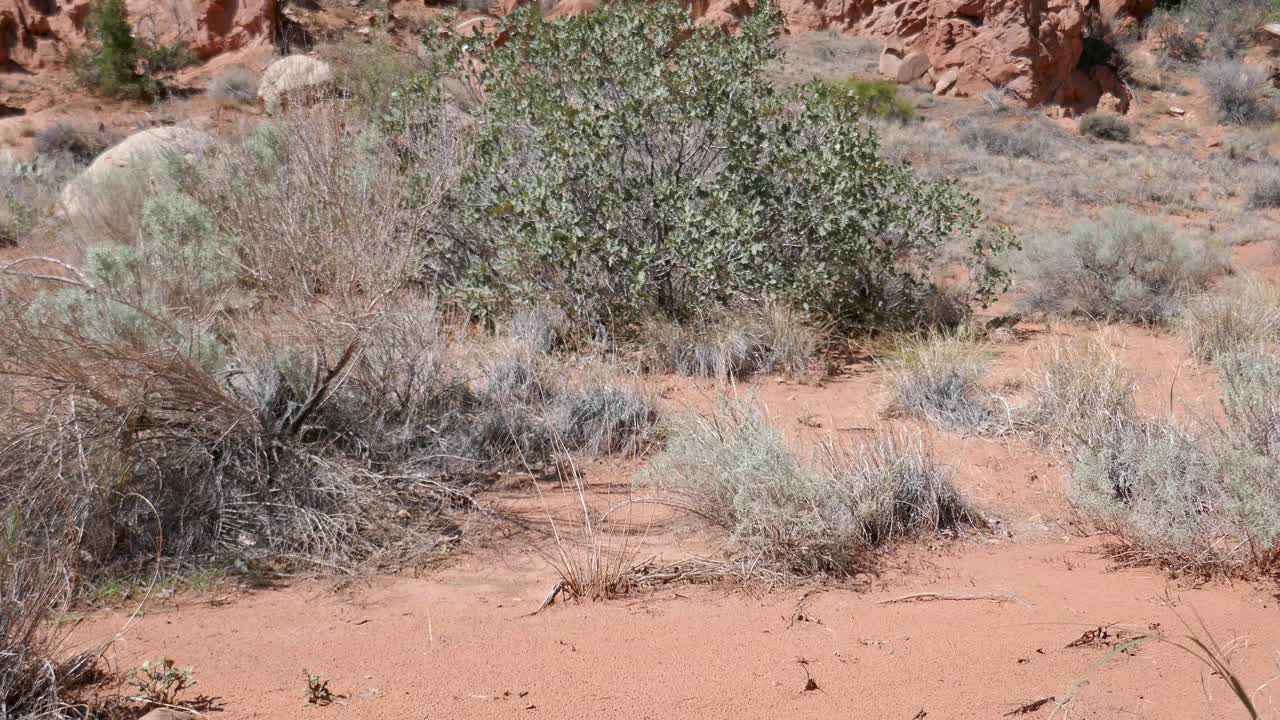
(460,642)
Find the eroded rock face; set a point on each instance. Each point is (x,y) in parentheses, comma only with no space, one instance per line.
(1029,47)
(36,34)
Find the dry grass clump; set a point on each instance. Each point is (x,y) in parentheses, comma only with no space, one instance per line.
(822,517)
(1080,396)
(38,677)
(1244,314)
(1264,188)
(940,378)
(738,343)
(1124,267)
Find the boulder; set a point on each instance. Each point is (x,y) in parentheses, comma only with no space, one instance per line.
(912,68)
(891,59)
(946,81)
(295,77)
(135,164)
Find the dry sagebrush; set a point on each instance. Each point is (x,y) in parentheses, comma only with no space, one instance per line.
(825,516)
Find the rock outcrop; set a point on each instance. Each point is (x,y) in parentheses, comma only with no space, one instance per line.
(36,34)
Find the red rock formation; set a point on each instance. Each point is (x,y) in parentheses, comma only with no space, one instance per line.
(1028,47)
(40,33)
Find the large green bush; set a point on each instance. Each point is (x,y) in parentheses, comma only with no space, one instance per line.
(629,164)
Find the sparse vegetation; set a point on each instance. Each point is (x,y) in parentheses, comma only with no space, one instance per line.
(1124,267)
(1032,139)
(160,682)
(1238,93)
(317,690)
(1106,127)
(827,516)
(235,85)
(1264,191)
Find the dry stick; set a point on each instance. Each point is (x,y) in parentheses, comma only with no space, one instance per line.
(1001,596)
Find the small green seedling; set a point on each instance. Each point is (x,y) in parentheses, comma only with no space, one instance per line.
(318,692)
(160,682)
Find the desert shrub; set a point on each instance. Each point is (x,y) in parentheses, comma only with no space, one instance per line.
(240,400)
(737,343)
(877,98)
(820,517)
(108,66)
(1238,93)
(1124,267)
(65,140)
(604,419)
(1081,396)
(1245,314)
(1033,140)
(940,379)
(234,85)
(1264,188)
(1198,499)
(1105,127)
(29,191)
(624,175)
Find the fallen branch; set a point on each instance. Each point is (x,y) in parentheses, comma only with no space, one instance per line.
(1030,707)
(1001,596)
